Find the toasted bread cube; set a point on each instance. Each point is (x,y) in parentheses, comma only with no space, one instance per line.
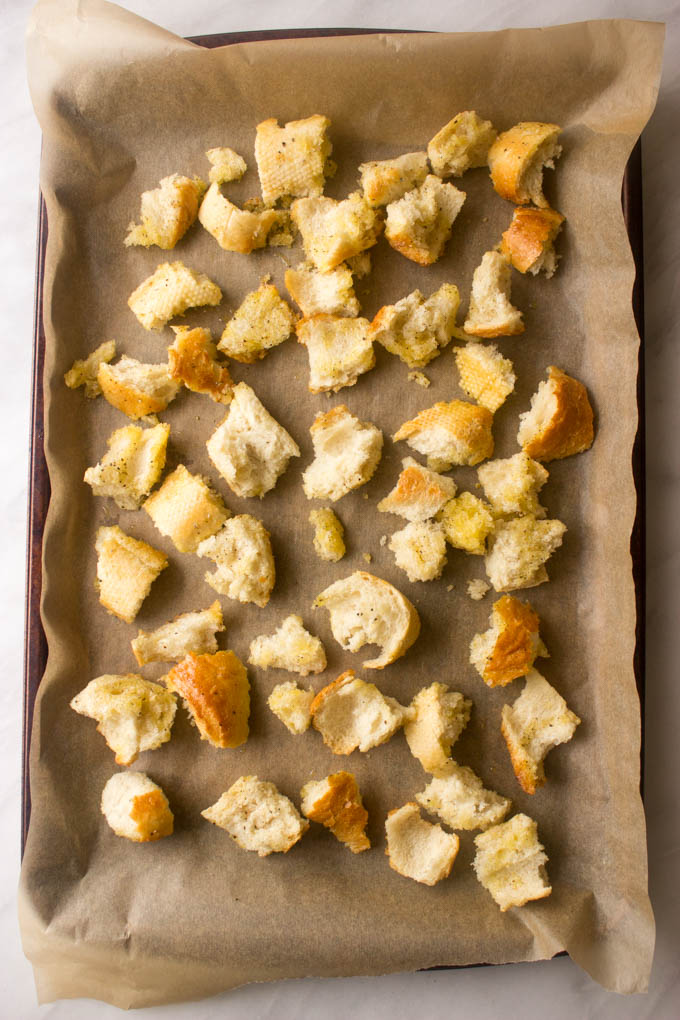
(512,484)
(136,808)
(133,714)
(439,718)
(137,389)
(83,372)
(386,180)
(339,351)
(249,448)
(560,420)
(262,321)
(234,229)
(467,522)
(538,721)
(419,224)
(518,551)
(336,803)
(416,329)
(331,293)
(416,848)
(364,609)
(192,360)
(511,645)
(491,313)
(528,241)
(461,145)
(188,632)
(420,550)
(167,212)
(328,535)
(485,375)
(226,165)
(419,493)
(291,704)
(290,647)
(292,160)
(346,453)
(510,863)
(448,434)
(517,159)
(477,589)
(186,509)
(131,466)
(126,569)
(216,692)
(458,796)
(352,715)
(335,231)
(170,291)
(243,555)
(258,817)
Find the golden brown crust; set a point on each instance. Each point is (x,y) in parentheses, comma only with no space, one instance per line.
(514,651)
(511,155)
(192,360)
(407,245)
(468,423)
(570,430)
(125,397)
(152,815)
(341,811)
(329,689)
(530,233)
(217,693)
(529,774)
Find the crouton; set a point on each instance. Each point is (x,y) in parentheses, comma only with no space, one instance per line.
(439,718)
(450,433)
(137,389)
(420,550)
(216,692)
(136,808)
(226,165)
(364,609)
(528,241)
(335,231)
(339,351)
(346,453)
(133,714)
(467,522)
(490,313)
(512,484)
(249,448)
(192,360)
(538,721)
(167,212)
(416,848)
(170,291)
(328,535)
(188,632)
(485,375)
(352,715)
(126,569)
(559,422)
(131,466)
(419,493)
(457,795)
(386,180)
(518,550)
(419,224)
(83,372)
(331,293)
(234,229)
(335,802)
(262,321)
(290,647)
(186,509)
(291,704)
(417,329)
(243,555)
(293,159)
(511,645)
(258,817)
(461,145)
(510,863)
(517,159)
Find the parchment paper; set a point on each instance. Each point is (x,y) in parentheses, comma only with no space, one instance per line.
(122,103)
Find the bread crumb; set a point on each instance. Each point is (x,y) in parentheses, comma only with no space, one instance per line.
(367,556)
(420,378)
(477,589)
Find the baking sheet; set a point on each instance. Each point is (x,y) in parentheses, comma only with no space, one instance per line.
(98,922)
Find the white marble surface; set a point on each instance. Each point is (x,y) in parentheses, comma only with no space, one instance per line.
(557,988)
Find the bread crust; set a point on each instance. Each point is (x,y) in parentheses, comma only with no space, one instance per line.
(216,691)
(192,360)
(341,810)
(513,653)
(530,235)
(512,156)
(570,430)
(466,424)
